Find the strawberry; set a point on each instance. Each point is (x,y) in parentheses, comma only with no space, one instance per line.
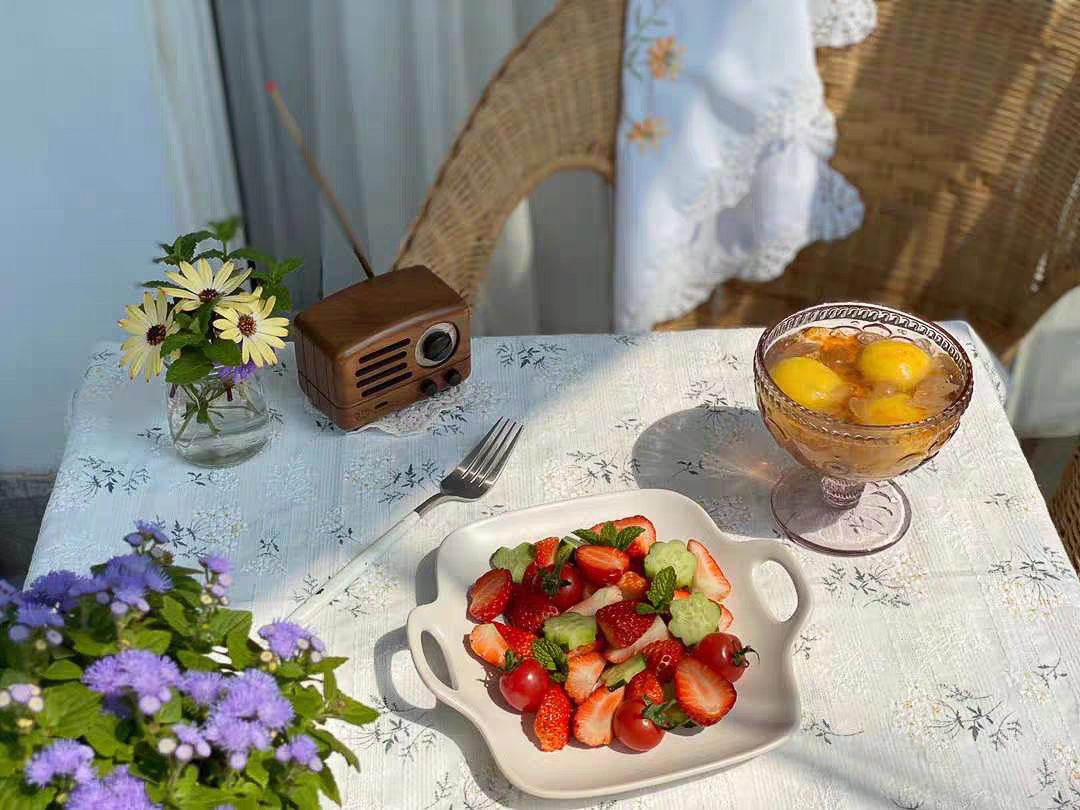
(708,578)
(490,594)
(622,624)
(661,658)
(645,685)
(520,641)
(552,721)
(593,646)
(602,565)
(545,552)
(588,589)
(633,586)
(725,618)
(680,594)
(657,632)
(592,720)
(584,672)
(486,643)
(641,544)
(704,694)
(530,609)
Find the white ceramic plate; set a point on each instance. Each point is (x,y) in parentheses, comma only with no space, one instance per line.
(766,711)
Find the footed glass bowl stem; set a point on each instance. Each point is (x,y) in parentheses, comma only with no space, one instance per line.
(840,493)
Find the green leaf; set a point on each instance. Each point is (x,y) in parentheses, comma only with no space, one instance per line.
(193,660)
(563,552)
(286,266)
(551,657)
(307,701)
(236,641)
(329,785)
(69,709)
(179,340)
(174,615)
(304,795)
(337,746)
(188,368)
(86,644)
(225,229)
(608,534)
(257,771)
(589,536)
(626,536)
(101,735)
(290,670)
(283,299)
(354,712)
(204,315)
(156,284)
(212,253)
(63,670)
(662,589)
(252,254)
(224,352)
(157,641)
(183,320)
(225,621)
(331,662)
(171,712)
(330,687)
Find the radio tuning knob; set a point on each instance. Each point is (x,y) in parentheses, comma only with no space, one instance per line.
(453,377)
(428,388)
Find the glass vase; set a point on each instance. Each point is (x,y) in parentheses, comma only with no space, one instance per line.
(218,422)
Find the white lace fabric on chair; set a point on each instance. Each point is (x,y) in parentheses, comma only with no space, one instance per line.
(724,146)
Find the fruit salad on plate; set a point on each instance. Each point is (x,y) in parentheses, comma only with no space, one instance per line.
(608,634)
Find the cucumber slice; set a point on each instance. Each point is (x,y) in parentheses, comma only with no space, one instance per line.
(675,554)
(516,559)
(694,618)
(570,630)
(622,673)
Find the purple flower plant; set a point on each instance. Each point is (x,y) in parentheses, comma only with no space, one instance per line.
(31,617)
(191,743)
(9,594)
(119,790)
(202,687)
(236,374)
(287,640)
(147,675)
(301,750)
(64,758)
(215,564)
(22,694)
(247,716)
(57,589)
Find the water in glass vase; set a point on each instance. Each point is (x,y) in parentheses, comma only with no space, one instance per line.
(217,422)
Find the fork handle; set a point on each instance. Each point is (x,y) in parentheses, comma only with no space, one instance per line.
(345,577)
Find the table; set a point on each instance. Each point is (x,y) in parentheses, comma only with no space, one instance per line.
(944,673)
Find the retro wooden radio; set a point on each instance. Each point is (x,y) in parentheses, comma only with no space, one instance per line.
(380,345)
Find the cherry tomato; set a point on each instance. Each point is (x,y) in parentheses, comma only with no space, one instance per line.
(725,654)
(545,579)
(633,730)
(524,687)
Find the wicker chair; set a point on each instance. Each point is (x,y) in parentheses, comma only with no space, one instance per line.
(959,123)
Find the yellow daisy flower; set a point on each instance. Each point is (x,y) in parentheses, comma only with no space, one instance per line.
(149,325)
(250,325)
(198,284)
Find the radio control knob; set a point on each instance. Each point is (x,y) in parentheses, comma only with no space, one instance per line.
(428,388)
(453,377)
(437,346)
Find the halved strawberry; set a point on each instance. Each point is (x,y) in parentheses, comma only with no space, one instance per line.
(708,578)
(592,720)
(584,672)
(680,594)
(656,632)
(487,643)
(601,564)
(633,586)
(490,594)
(725,619)
(552,721)
(704,694)
(645,685)
(520,641)
(621,624)
(545,552)
(661,658)
(639,548)
(529,610)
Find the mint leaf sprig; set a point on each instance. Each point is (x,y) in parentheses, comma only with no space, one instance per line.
(551,657)
(661,592)
(610,536)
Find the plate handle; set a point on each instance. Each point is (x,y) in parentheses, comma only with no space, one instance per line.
(422,620)
(772,551)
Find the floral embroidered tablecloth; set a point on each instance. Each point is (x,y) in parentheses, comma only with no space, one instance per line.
(944,673)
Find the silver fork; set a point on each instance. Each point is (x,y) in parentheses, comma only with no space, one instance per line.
(469,480)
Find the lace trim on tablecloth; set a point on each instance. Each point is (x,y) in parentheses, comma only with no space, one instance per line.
(839,23)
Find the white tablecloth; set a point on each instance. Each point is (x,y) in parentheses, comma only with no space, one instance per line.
(942,674)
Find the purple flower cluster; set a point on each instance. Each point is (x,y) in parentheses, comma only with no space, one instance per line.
(57,589)
(287,640)
(236,374)
(30,618)
(139,672)
(148,537)
(246,717)
(301,750)
(191,743)
(202,687)
(64,759)
(22,694)
(126,581)
(119,790)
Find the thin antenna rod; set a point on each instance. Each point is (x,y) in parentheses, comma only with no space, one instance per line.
(294,131)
